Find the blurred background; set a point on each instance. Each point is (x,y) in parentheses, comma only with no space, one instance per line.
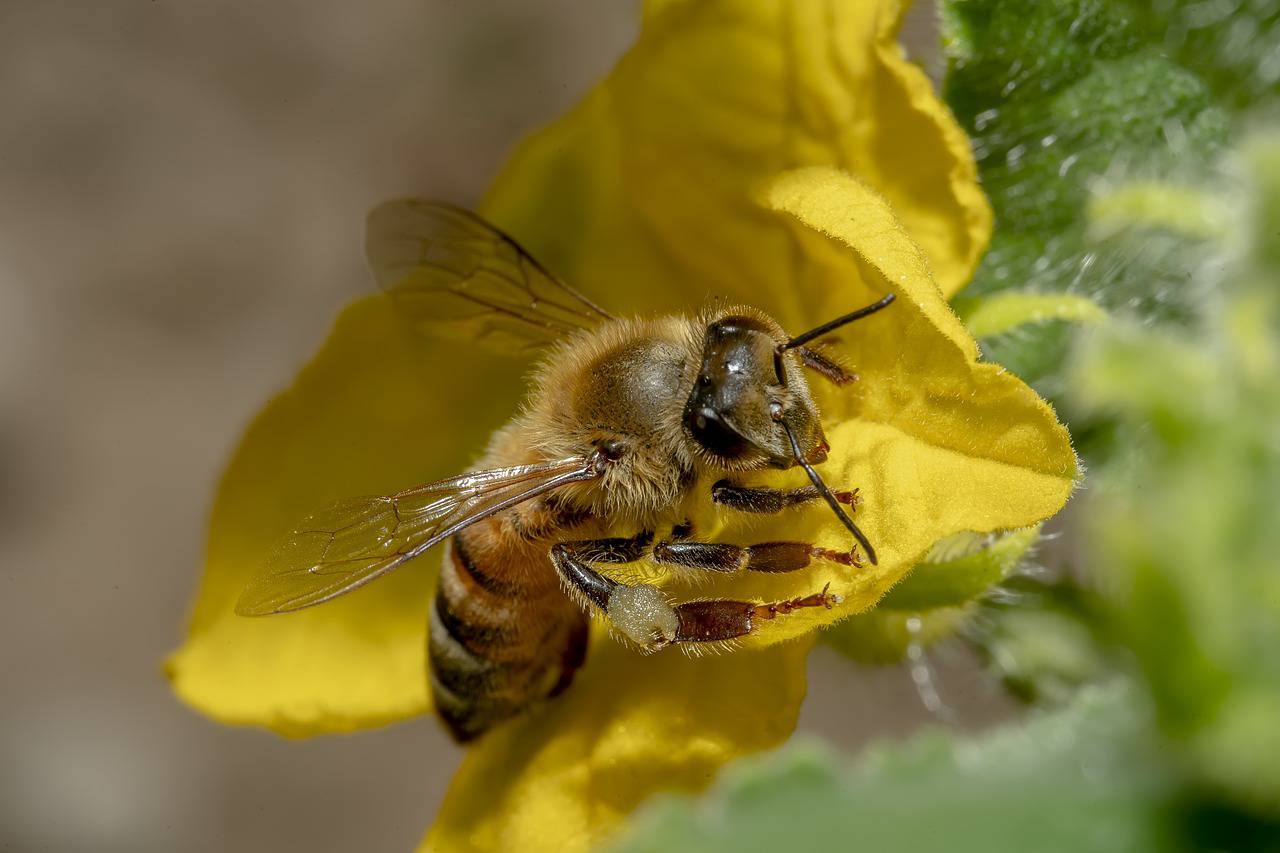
(182,192)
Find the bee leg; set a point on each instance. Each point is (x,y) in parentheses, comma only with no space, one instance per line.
(826,366)
(725,619)
(640,613)
(572,561)
(765,500)
(764,557)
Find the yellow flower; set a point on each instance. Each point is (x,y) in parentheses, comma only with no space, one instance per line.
(717,158)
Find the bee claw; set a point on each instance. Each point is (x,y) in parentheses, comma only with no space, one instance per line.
(826,599)
(844,558)
(851,499)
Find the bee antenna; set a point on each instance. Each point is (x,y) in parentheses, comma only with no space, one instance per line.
(825,491)
(832,325)
(814,477)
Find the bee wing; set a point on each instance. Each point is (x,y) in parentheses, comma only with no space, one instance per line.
(352,542)
(454,273)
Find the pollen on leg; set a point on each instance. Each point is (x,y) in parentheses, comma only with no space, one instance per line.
(641,614)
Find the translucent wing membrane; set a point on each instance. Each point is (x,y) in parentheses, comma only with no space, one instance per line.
(349,543)
(455,274)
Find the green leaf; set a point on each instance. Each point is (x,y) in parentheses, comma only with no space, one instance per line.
(1233,44)
(959,579)
(1085,778)
(934,599)
(1062,96)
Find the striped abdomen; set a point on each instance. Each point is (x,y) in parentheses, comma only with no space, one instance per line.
(502,633)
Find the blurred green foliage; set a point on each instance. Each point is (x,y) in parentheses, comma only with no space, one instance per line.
(1185,539)
(1073,780)
(1044,638)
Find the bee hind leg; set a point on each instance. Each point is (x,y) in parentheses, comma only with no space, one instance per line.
(642,613)
(720,619)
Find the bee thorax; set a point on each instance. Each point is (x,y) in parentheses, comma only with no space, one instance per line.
(642,615)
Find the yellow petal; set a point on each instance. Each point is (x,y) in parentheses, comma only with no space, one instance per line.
(937,442)
(644,191)
(370,414)
(936,195)
(564,776)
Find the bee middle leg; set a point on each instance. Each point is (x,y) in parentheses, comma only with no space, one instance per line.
(641,612)
(763,557)
(764,500)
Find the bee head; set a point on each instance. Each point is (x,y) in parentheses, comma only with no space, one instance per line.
(751,402)
(749,392)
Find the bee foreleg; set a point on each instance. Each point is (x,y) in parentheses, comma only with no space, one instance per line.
(826,366)
(724,619)
(764,557)
(761,499)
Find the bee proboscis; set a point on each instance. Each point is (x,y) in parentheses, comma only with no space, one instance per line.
(626,417)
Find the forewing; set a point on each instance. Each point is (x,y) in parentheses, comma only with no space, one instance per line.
(456,275)
(352,542)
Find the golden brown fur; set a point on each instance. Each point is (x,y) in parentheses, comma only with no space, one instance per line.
(528,634)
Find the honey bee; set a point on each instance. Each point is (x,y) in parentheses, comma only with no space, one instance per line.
(626,417)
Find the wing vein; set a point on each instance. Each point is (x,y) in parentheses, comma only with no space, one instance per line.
(351,543)
(453,273)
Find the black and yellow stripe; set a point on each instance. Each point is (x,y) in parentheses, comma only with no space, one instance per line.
(497,642)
